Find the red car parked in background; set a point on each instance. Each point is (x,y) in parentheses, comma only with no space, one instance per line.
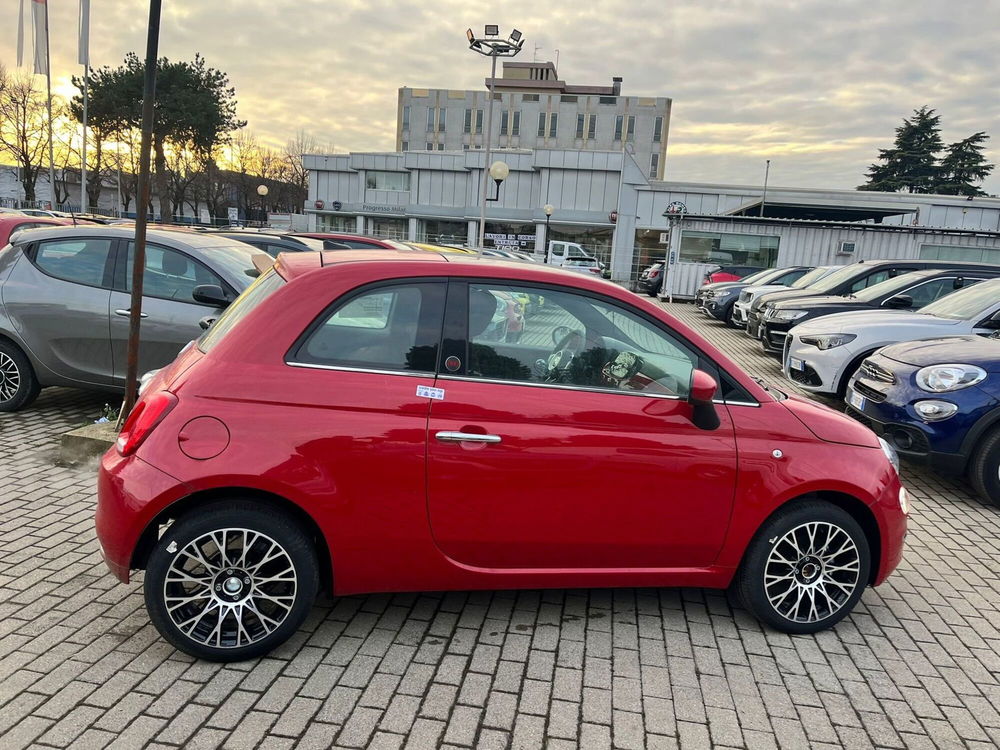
(10,223)
(728,273)
(349,421)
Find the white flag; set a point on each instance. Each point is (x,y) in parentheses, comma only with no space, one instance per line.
(39,22)
(20,34)
(85,33)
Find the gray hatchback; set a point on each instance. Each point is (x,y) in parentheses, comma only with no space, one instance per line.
(65,299)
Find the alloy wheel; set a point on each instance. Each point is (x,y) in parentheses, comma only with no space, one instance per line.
(229,588)
(811,572)
(10,377)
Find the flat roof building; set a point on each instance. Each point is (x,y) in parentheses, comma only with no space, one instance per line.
(535,109)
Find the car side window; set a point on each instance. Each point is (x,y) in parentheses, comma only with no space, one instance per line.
(870,280)
(546,336)
(82,260)
(929,291)
(170,274)
(394,327)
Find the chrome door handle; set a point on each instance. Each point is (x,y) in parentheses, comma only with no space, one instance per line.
(126,313)
(466,437)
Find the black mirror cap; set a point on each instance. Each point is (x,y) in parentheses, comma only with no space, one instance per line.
(900,302)
(210,294)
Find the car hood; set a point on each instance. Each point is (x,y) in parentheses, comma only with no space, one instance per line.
(765,288)
(923,326)
(973,350)
(820,300)
(828,425)
(717,285)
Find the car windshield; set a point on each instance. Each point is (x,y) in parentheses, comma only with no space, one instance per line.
(311,242)
(257,292)
(889,286)
(966,304)
(757,276)
(832,281)
(812,277)
(764,277)
(237,261)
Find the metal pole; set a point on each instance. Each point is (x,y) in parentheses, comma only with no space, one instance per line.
(139,259)
(763,197)
(48,102)
(486,166)
(83,148)
(547,241)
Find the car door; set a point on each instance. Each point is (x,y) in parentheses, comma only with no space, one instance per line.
(57,299)
(170,314)
(928,291)
(538,459)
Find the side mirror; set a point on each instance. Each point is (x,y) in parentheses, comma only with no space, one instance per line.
(701,396)
(206,322)
(899,302)
(210,294)
(992,322)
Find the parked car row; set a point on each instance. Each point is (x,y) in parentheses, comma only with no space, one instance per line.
(911,346)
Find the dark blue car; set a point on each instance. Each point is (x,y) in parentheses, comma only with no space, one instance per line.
(936,401)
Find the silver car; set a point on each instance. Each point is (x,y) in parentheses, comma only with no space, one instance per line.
(65,299)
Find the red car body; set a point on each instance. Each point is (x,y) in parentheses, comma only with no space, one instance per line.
(10,223)
(584,491)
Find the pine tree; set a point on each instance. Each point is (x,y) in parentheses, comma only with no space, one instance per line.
(963,165)
(911,164)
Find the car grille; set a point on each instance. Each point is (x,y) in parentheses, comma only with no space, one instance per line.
(807,376)
(768,313)
(868,392)
(874,371)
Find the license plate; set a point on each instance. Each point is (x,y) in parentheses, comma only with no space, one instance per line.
(856,400)
(796,364)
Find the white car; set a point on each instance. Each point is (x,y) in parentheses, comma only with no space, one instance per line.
(821,355)
(749,293)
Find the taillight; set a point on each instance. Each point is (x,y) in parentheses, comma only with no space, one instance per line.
(654,274)
(145,415)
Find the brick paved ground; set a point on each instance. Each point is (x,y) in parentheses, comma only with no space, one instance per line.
(917,665)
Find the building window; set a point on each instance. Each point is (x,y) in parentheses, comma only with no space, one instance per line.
(618,127)
(440,147)
(529,98)
(406,146)
(406,117)
(657,129)
(740,249)
(465,146)
(654,164)
(579,126)
(389,180)
(441,119)
(553,124)
(608,100)
(428,146)
(630,133)
(498,97)
(468,121)
(430,119)
(516,127)
(567,99)
(592,127)
(504,122)
(541,124)
(479,121)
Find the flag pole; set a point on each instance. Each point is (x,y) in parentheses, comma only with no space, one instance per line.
(84,45)
(48,102)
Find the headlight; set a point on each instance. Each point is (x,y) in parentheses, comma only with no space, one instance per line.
(726,292)
(943,378)
(788,314)
(828,340)
(935,411)
(890,453)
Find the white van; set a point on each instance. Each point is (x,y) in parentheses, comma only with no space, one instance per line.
(560,252)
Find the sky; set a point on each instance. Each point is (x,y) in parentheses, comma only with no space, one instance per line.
(815,86)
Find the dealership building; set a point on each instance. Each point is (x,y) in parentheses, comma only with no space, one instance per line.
(605,201)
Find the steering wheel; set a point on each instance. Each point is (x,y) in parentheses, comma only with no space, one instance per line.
(568,344)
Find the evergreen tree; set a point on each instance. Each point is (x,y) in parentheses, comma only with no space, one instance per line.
(963,165)
(911,164)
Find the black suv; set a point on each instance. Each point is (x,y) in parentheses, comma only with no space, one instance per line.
(849,280)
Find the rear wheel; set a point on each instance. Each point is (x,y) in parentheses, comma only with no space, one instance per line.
(806,568)
(984,468)
(231,581)
(18,384)
(727,318)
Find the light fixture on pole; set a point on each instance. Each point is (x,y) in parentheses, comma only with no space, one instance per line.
(498,171)
(548,208)
(491,45)
(262,191)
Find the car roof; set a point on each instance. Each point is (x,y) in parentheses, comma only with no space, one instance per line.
(181,238)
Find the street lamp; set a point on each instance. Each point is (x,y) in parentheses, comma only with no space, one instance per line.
(548,208)
(491,45)
(262,191)
(498,171)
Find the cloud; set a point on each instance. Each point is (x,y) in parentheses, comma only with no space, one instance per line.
(814,86)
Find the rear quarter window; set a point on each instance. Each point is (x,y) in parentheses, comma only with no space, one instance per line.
(256,293)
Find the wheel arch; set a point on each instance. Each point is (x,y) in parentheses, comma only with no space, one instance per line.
(189,503)
(852,367)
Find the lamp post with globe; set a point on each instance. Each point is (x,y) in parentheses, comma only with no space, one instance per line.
(262,191)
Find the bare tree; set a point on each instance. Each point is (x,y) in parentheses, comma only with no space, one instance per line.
(23,135)
(297,174)
(181,174)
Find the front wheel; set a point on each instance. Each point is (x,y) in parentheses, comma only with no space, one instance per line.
(18,384)
(984,468)
(806,568)
(231,581)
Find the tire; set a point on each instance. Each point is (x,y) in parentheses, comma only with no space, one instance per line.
(984,468)
(852,368)
(773,553)
(18,384)
(258,615)
(727,317)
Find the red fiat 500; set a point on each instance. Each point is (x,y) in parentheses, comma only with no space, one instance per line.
(353,420)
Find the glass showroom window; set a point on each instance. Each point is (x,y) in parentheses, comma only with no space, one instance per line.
(741,249)
(389,180)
